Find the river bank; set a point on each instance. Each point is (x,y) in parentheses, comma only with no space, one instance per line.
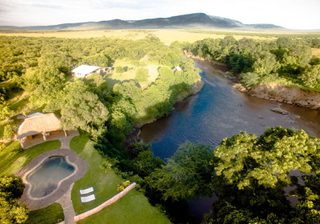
(133,136)
(283,94)
(193,90)
(270,91)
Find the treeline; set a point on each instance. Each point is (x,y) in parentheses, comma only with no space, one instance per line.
(42,68)
(286,60)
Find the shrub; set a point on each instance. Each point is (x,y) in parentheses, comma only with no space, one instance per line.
(123,185)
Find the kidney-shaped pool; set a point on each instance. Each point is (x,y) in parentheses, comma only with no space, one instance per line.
(45,178)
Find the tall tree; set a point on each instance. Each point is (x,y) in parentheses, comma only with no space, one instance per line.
(186,174)
(81,108)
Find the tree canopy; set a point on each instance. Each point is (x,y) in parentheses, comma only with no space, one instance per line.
(255,62)
(186,174)
(11,209)
(253,174)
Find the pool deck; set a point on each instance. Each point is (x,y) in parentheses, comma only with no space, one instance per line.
(63,190)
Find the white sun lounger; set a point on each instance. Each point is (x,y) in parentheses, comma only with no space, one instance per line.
(89,198)
(86,191)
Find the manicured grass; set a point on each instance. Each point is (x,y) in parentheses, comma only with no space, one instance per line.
(50,215)
(133,208)
(13,158)
(103,180)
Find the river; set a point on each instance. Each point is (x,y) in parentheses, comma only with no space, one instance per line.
(219,111)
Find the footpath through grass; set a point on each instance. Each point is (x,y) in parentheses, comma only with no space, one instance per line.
(13,158)
(133,208)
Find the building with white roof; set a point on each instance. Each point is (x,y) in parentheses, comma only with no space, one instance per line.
(83,71)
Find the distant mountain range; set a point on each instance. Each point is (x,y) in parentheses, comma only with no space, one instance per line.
(183,21)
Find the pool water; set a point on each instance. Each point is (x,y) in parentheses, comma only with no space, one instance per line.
(45,178)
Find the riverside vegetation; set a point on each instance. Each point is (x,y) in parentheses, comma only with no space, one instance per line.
(286,69)
(272,178)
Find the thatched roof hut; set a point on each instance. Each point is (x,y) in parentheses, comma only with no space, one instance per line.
(38,123)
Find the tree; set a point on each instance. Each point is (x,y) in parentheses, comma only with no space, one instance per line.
(265,63)
(186,174)
(81,108)
(250,79)
(311,77)
(11,210)
(144,162)
(251,173)
(44,83)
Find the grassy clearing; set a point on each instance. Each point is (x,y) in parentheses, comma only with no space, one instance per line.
(13,158)
(50,215)
(133,70)
(133,208)
(124,70)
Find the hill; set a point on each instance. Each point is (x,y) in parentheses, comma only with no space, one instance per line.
(181,21)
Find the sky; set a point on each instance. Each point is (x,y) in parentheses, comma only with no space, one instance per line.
(292,14)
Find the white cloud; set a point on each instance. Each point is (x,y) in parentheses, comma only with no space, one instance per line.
(301,14)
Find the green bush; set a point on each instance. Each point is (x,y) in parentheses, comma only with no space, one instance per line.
(250,79)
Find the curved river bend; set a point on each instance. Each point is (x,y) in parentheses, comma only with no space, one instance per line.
(219,111)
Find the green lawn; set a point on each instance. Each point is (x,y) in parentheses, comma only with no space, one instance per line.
(104,181)
(50,215)
(133,208)
(13,158)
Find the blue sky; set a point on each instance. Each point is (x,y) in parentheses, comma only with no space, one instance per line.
(295,14)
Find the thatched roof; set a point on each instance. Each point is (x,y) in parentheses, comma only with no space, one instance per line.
(38,123)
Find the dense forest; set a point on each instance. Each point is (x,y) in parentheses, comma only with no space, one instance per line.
(286,60)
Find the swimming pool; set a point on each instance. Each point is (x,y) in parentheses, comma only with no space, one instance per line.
(45,178)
